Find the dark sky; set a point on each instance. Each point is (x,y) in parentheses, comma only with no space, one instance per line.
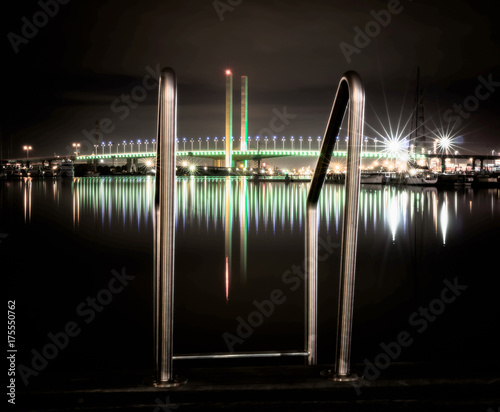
(81,62)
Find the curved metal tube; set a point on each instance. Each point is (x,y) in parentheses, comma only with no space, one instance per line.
(165,202)
(350,93)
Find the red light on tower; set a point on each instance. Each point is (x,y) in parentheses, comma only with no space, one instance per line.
(228,72)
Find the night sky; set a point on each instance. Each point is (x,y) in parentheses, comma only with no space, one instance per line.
(97,60)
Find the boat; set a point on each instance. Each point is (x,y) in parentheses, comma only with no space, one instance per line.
(422,179)
(66,169)
(20,173)
(48,172)
(393,178)
(455,180)
(8,173)
(372,178)
(35,173)
(487,180)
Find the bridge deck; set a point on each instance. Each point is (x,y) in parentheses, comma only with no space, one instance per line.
(239,155)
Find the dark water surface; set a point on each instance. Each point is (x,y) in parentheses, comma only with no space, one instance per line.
(427,265)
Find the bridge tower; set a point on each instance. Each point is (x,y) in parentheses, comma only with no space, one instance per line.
(229,118)
(244,116)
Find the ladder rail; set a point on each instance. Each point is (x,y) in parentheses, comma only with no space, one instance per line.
(350,95)
(350,98)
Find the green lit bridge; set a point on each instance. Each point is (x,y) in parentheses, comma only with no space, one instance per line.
(218,156)
(239,155)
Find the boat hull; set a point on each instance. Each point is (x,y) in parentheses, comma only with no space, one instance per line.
(421,181)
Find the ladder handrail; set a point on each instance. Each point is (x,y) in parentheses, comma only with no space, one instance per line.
(350,94)
(165,202)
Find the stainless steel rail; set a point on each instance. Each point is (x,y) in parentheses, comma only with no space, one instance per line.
(351,95)
(240,355)
(165,202)
(350,92)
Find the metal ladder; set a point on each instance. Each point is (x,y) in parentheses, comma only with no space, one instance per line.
(350,95)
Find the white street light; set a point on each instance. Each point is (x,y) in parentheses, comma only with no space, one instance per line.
(76,148)
(27,148)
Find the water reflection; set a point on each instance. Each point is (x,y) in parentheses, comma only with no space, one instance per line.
(27,188)
(243,229)
(227,205)
(212,205)
(127,201)
(444,220)
(228,231)
(231,229)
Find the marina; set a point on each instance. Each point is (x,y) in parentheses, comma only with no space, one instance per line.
(239,206)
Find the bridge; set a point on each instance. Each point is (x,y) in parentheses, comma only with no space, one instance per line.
(257,155)
(239,155)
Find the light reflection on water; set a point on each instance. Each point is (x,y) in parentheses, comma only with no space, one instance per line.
(235,239)
(241,211)
(215,205)
(278,207)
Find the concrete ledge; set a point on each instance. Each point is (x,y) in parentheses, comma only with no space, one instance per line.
(411,387)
